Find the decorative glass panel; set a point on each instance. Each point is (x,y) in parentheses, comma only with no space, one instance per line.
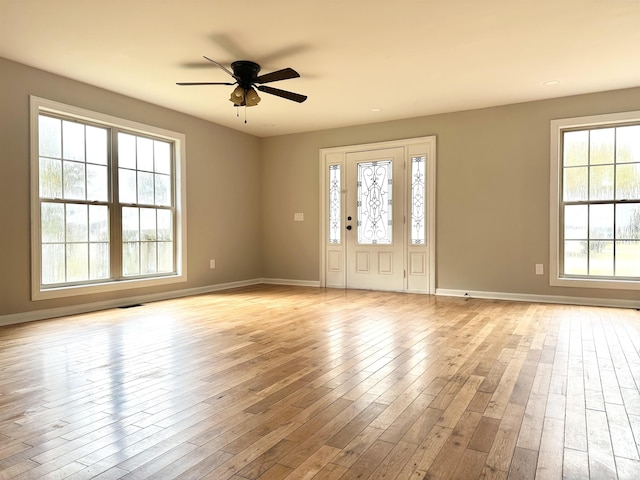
(374,203)
(418,202)
(335,205)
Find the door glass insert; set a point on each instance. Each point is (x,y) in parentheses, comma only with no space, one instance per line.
(417,200)
(374,203)
(335,198)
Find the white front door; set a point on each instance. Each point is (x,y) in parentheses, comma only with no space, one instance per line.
(375,219)
(377,210)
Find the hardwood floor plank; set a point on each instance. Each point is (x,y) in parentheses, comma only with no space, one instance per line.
(276,382)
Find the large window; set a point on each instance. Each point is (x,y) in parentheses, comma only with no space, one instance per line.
(107,202)
(596,201)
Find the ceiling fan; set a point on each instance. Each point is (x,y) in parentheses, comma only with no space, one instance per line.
(245,74)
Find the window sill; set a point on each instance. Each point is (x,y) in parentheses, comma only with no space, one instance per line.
(555,281)
(72,291)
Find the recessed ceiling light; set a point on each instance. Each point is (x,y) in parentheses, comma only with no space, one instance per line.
(551,83)
(376,109)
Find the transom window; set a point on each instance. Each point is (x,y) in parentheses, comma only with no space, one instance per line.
(108,203)
(598,202)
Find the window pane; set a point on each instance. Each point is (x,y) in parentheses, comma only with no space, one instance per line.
(127,185)
(98,261)
(575,257)
(601,222)
(628,182)
(74,181)
(97,183)
(162,156)
(72,141)
(97,149)
(77,223)
(601,258)
(77,262)
(145,154)
(601,146)
(165,257)
(148,257)
(50,178)
(98,223)
(417,200)
(145,188)
(163,190)
(575,183)
(628,221)
(49,137)
(335,207)
(147,224)
(628,144)
(53,262)
(126,151)
(576,222)
(576,148)
(131,259)
(374,203)
(601,183)
(130,224)
(165,228)
(628,259)
(52,222)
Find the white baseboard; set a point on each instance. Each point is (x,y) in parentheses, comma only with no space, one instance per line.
(120,302)
(523,297)
(296,283)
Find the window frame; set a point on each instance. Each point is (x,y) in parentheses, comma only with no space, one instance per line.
(40,105)
(559,126)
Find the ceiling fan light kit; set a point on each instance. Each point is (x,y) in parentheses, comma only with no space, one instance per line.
(245,74)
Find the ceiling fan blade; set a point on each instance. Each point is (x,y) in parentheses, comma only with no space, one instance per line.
(220,65)
(283,74)
(205,83)
(296,97)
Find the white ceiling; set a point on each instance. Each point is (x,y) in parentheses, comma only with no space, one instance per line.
(407,58)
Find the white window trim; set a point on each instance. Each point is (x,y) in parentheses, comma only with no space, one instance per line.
(557,126)
(39,105)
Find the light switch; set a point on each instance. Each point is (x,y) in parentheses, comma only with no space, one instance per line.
(298,217)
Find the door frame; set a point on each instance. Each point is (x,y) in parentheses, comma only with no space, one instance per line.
(333,256)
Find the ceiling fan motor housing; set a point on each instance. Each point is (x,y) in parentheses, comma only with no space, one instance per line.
(245,72)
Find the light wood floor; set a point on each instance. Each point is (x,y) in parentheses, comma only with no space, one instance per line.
(277,382)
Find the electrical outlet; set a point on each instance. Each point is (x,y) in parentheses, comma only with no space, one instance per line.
(539,269)
(212,264)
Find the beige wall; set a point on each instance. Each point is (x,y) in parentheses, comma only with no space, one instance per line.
(223,199)
(492,193)
(242,192)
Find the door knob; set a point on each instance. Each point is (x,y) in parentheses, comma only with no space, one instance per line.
(349,227)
